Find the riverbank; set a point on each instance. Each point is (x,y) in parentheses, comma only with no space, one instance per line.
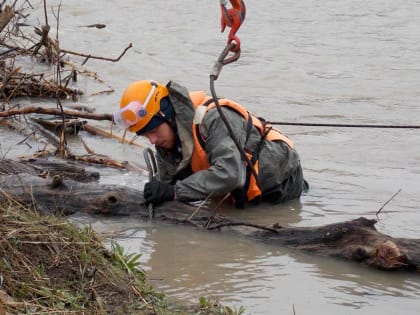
(50,266)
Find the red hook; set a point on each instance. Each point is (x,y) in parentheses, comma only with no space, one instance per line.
(233,18)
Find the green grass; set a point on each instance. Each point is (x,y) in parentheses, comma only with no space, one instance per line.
(50,266)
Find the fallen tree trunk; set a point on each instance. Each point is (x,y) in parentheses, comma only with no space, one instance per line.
(356,240)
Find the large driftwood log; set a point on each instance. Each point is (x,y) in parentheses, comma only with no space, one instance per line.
(356,240)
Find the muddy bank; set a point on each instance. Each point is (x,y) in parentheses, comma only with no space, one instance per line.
(49,266)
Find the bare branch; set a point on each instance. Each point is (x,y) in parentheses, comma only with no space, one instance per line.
(393,196)
(89,56)
(55,111)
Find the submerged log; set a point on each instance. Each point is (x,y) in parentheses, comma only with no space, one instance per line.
(356,240)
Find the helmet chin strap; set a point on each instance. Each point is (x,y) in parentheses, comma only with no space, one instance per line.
(171,122)
(169,116)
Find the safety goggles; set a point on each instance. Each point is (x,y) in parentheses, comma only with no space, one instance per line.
(134,112)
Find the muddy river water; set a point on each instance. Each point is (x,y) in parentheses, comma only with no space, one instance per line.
(344,62)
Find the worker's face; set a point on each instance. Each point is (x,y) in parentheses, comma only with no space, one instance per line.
(162,136)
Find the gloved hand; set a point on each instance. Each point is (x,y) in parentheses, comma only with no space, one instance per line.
(156,192)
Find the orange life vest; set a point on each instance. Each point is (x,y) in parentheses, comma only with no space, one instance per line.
(199,159)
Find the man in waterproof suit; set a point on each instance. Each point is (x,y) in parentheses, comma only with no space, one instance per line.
(199,155)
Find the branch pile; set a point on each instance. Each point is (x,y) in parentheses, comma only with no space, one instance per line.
(39,46)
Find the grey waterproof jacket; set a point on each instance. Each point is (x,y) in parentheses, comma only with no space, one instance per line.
(280,173)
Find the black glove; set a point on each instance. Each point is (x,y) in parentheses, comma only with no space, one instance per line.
(156,192)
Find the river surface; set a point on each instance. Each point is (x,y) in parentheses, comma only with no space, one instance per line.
(343,62)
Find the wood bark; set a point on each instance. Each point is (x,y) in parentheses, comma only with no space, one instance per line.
(54,189)
(6,16)
(55,112)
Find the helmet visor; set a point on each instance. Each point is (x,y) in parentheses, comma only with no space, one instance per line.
(129,115)
(134,112)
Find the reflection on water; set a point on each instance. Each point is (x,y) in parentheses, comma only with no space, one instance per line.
(302,61)
(187,264)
